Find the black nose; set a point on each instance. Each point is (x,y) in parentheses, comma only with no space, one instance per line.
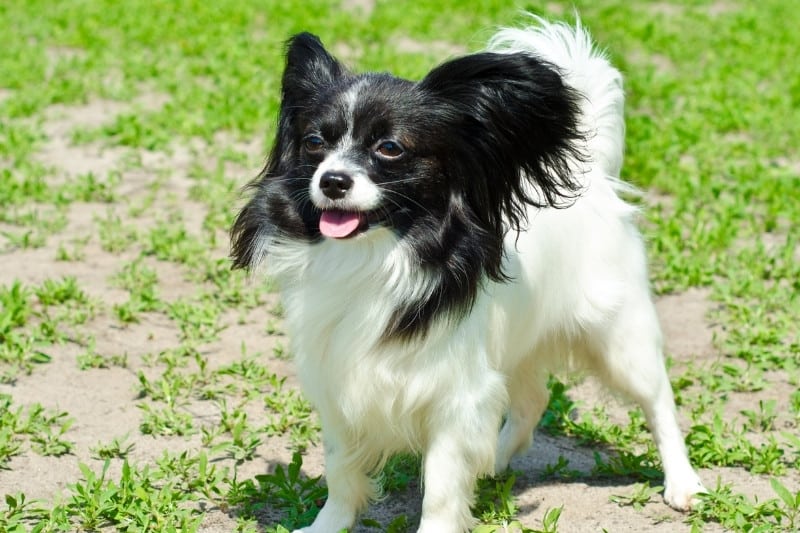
(335,185)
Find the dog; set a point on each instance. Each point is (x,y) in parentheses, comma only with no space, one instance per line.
(443,246)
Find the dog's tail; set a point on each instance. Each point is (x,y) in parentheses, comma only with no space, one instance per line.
(587,69)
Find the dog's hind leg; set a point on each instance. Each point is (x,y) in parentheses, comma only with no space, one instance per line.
(627,356)
(527,390)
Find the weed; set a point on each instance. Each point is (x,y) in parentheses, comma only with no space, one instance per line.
(135,503)
(25,239)
(66,290)
(244,439)
(44,429)
(115,236)
(192,474)
(789,511)
(165,421)
(171,388)
(19,512)
(640,495)
(75,252)
(398,525)
(19,349)
(169,241)
(142,283)
(10,445)
(399,472)
(116,449)
(47,442)
(764,418)
(626,464)
(198,320)
(250,371)
(794,404)
(15,308)
(495,502)
(299,498)
(88,187)
(549,525)
(272,328)
(279,351)
(558,414)
(550,520)
(92,359)
(291,414)
(721,444)
(560,469)
(737,512)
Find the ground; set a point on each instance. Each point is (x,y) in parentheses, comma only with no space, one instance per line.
(126,339)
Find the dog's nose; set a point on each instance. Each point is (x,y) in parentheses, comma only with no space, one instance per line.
(335,185)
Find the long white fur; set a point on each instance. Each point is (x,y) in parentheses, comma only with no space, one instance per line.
(579,299)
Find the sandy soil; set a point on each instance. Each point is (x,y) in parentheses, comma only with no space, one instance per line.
(103,402)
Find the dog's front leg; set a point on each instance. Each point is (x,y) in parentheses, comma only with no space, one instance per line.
(349,487)
(459,451)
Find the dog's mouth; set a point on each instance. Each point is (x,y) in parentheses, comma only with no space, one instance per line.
(338,224)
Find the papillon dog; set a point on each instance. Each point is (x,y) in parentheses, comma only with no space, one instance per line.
(442,247)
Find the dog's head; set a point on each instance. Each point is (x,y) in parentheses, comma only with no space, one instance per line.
(448,164)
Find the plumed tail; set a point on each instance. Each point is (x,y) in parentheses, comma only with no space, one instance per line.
(587,70)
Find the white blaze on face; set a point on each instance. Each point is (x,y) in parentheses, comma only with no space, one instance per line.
(342,216)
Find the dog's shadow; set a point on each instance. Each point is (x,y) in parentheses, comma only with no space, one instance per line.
(291,498)
(559,461)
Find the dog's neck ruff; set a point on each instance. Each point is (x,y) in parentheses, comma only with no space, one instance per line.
(325,283)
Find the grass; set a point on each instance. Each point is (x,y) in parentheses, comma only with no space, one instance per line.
(120,269)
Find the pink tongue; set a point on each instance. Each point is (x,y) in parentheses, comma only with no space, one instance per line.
(338,224)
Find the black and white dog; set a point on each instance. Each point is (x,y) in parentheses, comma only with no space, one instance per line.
(442,247)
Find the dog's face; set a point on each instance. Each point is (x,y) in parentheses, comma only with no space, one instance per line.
(368,161)
(359,151)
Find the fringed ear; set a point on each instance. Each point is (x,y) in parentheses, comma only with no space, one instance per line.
(250,230)
(309,70)
(516,121)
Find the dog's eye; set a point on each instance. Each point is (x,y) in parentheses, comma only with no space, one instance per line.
(389,149)
(314,143)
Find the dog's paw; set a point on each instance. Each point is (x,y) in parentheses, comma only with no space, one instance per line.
(332,518)
(428,525)
(681,495)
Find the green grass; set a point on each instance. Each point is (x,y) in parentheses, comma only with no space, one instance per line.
(713,136)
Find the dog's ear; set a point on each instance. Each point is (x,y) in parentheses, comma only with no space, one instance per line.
(516,120)
(309,70)
(309,67)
